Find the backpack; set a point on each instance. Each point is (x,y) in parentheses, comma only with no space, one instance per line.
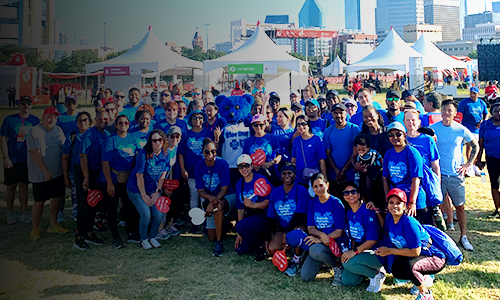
(445,244)
(432,187)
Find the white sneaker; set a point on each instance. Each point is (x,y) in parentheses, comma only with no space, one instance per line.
(25,218)
(337,276)
(371,285)
(451,227)
(378,281)
(146,245)
(155,243)
(465,243)
(11,220)
(429,280)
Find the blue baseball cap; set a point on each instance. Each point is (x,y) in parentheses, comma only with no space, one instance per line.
(312,101)
(295,238)
(474,89)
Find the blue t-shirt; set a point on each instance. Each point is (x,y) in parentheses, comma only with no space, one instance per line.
(450,141)
(268,143)
(357,118)
(11,127)
(67,123)
(426,146)
(379,142)
(374,104)
(129,111)
(73,150)
(473,113)
(134,126)
(407,233)
(328,116)
(283,205)
(340,142)
(212,179)
(92,142)
(191,148)
(141,137)
(326,217)
(388,120)
(491,135)
(420,107)
(314,151)
(219,122)
(248,191)
(165,126)
(401,167)
(151,169)
(285,139)
(318,127)
(363,226)
(159,114)
(430,118)
(120,153)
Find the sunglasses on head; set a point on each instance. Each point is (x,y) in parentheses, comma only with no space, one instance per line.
(351,192)
(160,140)
(397,134)
(119,96)
(243,166)
(393,99)
(255,125)
(207,152)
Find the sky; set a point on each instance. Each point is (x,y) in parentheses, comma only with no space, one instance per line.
(127,21)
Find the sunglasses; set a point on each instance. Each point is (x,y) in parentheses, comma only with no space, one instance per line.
(207,152)
(244,166)
(175,136)
(110,109)
(118,96)
(71,102)
(255,125)
(160,140)
(351,192)
(397,134)
(393,99)
(123,123)
(198,118)
(165,95)
(302,124)
(311,107)
(196,94)
(350,106)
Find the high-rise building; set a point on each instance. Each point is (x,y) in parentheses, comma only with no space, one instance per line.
(197,41)
(482,31)
(445,13)
(432,32)
(495,6)
(360,15)
(463,13)
(276,19)
(486,17)
(311,14)
(63,38)
(396,14)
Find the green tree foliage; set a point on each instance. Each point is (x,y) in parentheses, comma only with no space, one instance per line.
(472,54)
(33,59)
(198,54)
(75,63)
(115,54)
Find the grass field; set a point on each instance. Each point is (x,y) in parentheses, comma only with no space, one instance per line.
(185,269)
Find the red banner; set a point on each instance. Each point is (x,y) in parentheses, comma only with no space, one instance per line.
(26,84)
(17,59)
(117,71)
(302,33)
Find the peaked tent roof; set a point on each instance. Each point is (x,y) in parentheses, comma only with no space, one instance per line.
(434,57)
(258,49)
(150,54)
(393,54)
(335,68)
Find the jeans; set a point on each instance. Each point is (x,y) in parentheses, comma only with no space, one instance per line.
(147,213)
(194,198)
(253,231)
(319,254)
(365,264)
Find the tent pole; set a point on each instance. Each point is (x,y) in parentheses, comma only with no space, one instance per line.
(86,96)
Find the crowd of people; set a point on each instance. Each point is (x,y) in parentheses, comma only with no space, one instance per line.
(346,171)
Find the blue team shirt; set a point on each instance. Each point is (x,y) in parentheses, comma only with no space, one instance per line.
(399,118)
(430,118)
(363,226)
(407,233)
(11,126)
(318,127)
(165,126)
(120,153)
(326,217)
(212,179)
(268,143)
(491,135)
(426,146)
(473,112)
(248,191)
(129,111)
(151,169)
(340,142)
(92,142)
(285,140)
(374,104)
(220,122)
(314,151)
(282,205)
(191,148)
(357,118)
(73,151)
(159,114)
(67,123)
(141,137)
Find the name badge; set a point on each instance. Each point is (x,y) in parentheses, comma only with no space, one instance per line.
(21,136)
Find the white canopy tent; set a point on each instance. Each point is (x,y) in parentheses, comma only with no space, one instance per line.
(335,68)
(433,57)
(393,54)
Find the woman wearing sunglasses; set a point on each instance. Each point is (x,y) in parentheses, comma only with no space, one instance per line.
(363,232)
(212,183)
(145,186)
(403,169)
(252,209)
(118,154)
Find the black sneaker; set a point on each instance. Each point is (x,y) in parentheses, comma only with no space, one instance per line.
(133,238)
(80,244)
(117,243)
(194,229)
(93,239)
(219,248)
(99,226)
(261,254)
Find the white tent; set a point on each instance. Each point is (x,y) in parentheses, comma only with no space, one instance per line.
(335,68)
(393,54)
(433,57)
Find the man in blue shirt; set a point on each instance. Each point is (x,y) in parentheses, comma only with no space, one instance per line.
(364,99)
(393,114)
(134,96)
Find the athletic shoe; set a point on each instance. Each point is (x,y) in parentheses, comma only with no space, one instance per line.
(117,243)
(400,282)
(426,296)
(122,224)
(99,226)
(465,243)
(57,229)
(194,229)
(377,282)
(146,245)
(60,217)
(133,238)
(80,244)
(337,276)
(455,216)
(25,218)
(445,216)
(179,222)
(174,231)
(35,234)
(93,239)
(154,243)
(218,249)
(11,220)
(261,254)
(164,234)
(451,227)
(428,281)
(494,215)
(292,269)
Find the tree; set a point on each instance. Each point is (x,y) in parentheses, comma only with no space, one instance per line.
(115,54)
(75,63)
(472,54)
(198,54)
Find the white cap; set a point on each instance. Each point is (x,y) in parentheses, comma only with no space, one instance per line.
(244,159)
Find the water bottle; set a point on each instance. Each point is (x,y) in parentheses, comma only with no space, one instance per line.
(483,176)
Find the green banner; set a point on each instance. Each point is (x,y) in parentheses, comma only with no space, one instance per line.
(246,69)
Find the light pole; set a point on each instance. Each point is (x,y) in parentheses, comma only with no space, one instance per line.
(208,54)
(75,37)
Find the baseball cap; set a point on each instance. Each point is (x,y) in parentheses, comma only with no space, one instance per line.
(174,129)
(295,238)
(296,106)
(321,98)
(273,94)
(410,105)
(333,92)
(70,98)
(25,99)
(474,89)
(350,101)
(295,93)
(244,159)
(393,94)
(369,85)
(51,111)
(396,125)
(406,93)
(313,101)
(288,167)
(258,118)
(398,193)
(339,105)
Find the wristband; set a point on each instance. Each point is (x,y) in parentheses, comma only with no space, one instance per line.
(357,252)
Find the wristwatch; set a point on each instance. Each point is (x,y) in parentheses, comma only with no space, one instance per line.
(158,191)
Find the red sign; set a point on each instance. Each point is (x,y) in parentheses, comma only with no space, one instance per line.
(117,71)
(280,261)
(26,84)
(303,33)
(163,204)
(335,248)
(261,187)
(259,157)
(93,197)
(170,185)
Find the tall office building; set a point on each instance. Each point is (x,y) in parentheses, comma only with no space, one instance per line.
(360,15)
(482,18)
(311,15)
(495,6)
(445,13)
(397,14)
(463,13)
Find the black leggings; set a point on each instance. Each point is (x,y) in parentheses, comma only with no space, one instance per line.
(86,213)
(493,165)
(414,268)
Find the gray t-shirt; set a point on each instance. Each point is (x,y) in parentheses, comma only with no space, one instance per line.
(49,144)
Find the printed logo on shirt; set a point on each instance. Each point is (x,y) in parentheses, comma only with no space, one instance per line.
(235,144)
(128,150)
(285,209)
(317,131)
(397,240)
(248,194)
(195,145)
(397,171)
(266,147)
(211,182)
(26,129)
(356,230)
(323,220)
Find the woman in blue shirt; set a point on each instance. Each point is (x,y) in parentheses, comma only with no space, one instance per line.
(117,156)
(145,184)
(285,130)
(411,246)
(143,127)
(308,152)
(325,220)
(214,120)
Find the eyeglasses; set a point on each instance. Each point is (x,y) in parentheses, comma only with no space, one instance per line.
(198,118)
(350,106)
(255,125)
(244,166)
(393,99)
(302,124)
(287,173)
(311,107)
(84,120)
(119,96)
(351,192)
(207,152)
(25,104)
(175,136)
(123,123)
(110,109)
(160,140)
(397,134)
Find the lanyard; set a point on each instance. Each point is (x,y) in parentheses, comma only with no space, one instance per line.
(213,125)
(22,120)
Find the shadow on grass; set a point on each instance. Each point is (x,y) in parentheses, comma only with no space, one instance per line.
(468,278)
